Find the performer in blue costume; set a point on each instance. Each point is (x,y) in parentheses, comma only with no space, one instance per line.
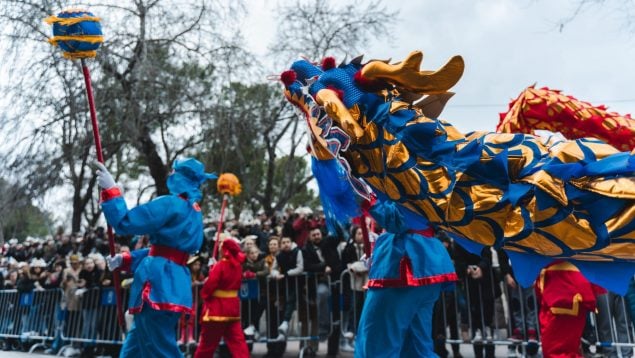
(410,268)
(161,290)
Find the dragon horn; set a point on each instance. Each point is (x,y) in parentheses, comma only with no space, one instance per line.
(407,74)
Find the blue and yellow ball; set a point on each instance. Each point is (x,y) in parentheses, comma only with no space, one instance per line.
(77,32)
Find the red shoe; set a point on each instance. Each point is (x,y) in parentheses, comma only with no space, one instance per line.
(531,335)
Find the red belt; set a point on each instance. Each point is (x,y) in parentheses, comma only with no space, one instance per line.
(172,254)
(428,232)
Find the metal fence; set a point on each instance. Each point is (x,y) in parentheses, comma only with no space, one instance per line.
(308,308)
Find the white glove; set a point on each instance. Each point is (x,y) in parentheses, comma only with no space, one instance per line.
(114,262)
(366,261)
(104,178)
(359,266)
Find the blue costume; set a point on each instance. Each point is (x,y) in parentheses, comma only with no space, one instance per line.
(161,290)
(409,268)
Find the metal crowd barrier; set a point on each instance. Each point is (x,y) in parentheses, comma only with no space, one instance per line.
(484,313)
(29,315)
(303,301)
(351,302)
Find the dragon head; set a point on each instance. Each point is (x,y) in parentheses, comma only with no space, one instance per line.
(339,101)
(342,107)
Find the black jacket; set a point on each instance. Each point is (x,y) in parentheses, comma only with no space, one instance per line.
(328,247)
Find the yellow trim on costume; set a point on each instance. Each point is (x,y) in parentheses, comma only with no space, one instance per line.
(560,266)
(573,311)
(83,38)
(68,21)
(225,293)
(207,318)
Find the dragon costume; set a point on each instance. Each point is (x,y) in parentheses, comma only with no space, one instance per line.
(374,131)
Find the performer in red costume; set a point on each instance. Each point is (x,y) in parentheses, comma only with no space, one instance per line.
(221,306)
(566,297)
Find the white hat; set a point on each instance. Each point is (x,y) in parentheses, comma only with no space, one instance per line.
(96,256)
(304,210)
(38,263)
(13,241)
(249,237)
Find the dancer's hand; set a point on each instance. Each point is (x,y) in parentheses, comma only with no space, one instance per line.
(114,262)
(104,178)
(510,281)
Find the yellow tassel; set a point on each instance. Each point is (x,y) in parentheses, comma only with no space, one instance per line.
(70,20)
(228,183)
(82,38)
(80,54)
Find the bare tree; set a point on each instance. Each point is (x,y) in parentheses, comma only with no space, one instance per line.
(155,81)
(623,10)
(321,28)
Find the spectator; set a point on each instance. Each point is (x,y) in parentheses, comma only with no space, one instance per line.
(613,324)
(48,250)
(69,285)
(249,242)
(301,227)
(25,286)
(274,249)
(188,323)
(482,291)
(54,278)
(446,310)
(65,247)
(523,308)
(254,268)
(321,258)
(12,280)
(88,291)
(38,273)
(289,263)
(271,293)
(351,259)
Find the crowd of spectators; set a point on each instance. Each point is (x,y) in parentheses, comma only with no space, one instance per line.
(299,269)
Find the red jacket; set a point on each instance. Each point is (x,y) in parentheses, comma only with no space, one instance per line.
(220,291)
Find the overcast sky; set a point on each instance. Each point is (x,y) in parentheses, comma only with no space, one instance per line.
(507,45)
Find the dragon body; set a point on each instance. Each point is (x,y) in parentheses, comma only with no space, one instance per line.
(542,198)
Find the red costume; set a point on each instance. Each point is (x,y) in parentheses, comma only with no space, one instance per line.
(221,306)
(565,298)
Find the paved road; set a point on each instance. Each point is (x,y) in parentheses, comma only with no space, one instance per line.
(259,351)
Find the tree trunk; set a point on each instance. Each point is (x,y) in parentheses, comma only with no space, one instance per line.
(78,210)
(158,169)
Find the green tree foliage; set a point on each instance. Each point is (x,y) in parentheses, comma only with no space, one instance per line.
(19,218)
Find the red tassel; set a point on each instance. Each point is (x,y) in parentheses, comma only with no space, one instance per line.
(368,85)
(288,77)
(328,63)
